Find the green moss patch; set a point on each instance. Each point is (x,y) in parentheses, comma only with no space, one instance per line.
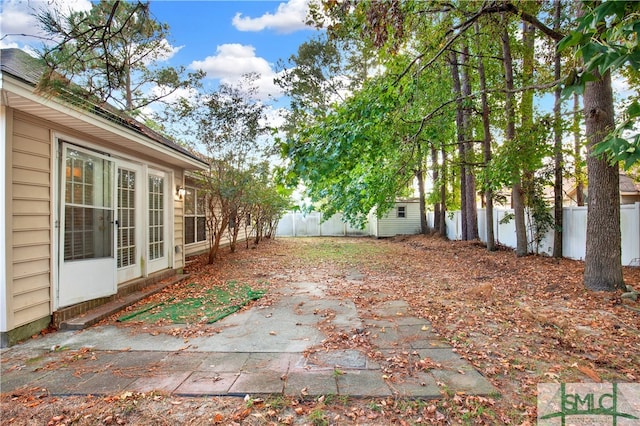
(209,306)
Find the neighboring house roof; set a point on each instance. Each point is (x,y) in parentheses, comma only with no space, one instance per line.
(28,70)
(628,186)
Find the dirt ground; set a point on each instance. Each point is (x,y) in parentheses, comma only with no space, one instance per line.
(519,321)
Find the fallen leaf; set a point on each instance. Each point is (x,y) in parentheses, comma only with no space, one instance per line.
(587,371)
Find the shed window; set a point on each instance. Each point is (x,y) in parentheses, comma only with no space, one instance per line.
(195,218)
(401,212)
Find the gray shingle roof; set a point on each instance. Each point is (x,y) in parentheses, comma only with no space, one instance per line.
(25,67)
(21,65)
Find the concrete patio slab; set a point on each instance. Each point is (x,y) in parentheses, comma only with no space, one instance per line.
(202,383)
(422,385)
(362,383)
(310,383)
(264,382)
(165,383)
(276,349)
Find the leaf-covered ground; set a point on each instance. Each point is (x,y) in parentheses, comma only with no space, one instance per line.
(519,321)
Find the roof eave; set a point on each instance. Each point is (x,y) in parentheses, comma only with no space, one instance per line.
(20,95)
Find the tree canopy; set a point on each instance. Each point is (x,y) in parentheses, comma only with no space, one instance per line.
(427,106)
(114,52)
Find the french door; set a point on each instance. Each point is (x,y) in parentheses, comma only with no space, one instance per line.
(87,223)
(130,221)
(114,224)
(158,242)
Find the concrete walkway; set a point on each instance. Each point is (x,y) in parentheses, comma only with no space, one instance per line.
(258,351)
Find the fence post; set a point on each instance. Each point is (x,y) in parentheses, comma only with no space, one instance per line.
(496,222)
(294,224)
(636,255)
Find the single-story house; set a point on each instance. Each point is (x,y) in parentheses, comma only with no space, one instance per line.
(93,202)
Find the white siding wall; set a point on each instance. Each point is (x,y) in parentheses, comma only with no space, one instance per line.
(390,224)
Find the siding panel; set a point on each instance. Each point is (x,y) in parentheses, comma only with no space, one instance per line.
(28,222)
(21,254)
(32,283)
(33,146)
(30,161)
(29,191)
(33,266)
(27,129)
(28,176)
(32,313)
(31,222)
(24,206)
(34,298)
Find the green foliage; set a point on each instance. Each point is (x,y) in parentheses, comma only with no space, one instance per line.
(606,39)
(363,153)
(621,146)
(239,183)
(527,151)
(112,51)
(318,417)
(541,219)
(352,160)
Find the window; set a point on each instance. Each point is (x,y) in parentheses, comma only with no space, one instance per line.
(402,212)
(194,216)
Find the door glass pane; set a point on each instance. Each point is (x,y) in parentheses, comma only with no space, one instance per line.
(156,214)
(126,217)
(88,232)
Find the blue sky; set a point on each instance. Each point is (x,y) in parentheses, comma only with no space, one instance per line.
(224,38)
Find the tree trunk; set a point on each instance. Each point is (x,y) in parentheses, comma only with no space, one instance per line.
(557,147)
(424,227)
(602,262)
(215,245)
(486,147)
(470,179)
(577,151)
(510,132)
(526,110)
(443,193)
(457,89)
(435,176)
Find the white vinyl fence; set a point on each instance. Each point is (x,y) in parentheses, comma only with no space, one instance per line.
(574,236)
(295,224)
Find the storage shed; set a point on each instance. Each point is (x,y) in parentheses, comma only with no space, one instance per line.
(402,219)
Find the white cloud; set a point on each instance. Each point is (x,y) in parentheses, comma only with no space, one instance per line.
(174,97)
(275,117)
(163,52)
(232,61)
(288,18)
(20,26)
